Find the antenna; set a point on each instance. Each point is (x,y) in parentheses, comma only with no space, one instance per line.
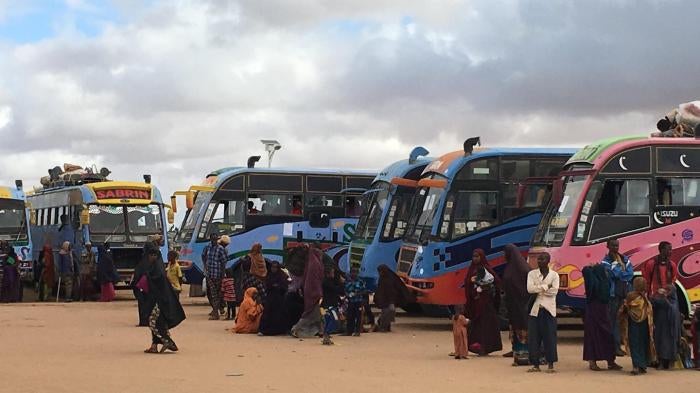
(271,146)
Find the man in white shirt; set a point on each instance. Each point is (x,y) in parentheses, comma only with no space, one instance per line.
(542,324)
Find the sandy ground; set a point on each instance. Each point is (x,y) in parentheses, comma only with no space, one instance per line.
(94,347)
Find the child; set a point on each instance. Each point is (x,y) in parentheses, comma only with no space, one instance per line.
(355,290)
(459,331)
(174,272)
(333,290)
(229,291)
(637,327)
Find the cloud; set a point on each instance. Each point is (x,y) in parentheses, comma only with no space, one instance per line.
(177,89)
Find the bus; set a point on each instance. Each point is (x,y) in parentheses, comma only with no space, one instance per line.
(467,200)
(382,225)
(92,209)
(275,207)
(639,190)
(14,226)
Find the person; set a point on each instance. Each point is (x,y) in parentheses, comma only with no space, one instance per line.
(106,273)
(333,291)
(87,273)
(459,333)
(249,314)
(215,258)
(355,291)
(228,289)
(165,310)
(174,272)
(482,293)
(391,292)
(695,328)
(11,285)
(637,327)
(65,270)
(273,320)
(296,208)
(309,324)
(48,273)
(543,286)
(251,208)
(65,231)
(620,274)
(140,271)
(661,272)
(515,286)
(598,339)
(353,208)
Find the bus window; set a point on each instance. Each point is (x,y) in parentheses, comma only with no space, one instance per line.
(624,197)
(514,170)
(353,206)
(316,200)
(275,204)
(485,169)
(12,220)
(228,217)
(144,219)
(474,211)
(678,192)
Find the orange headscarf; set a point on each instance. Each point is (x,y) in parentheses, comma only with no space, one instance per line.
(257,261)
(249,314)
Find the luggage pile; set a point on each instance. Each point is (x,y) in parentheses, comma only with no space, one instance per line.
(680,122)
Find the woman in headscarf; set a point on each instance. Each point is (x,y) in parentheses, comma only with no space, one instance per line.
(481,287)
(249,314)
(66,271)
(310,323)
(515,286)
(598,340)
(636,322)
(391,292)
(48,273)
(9,291)
(273,320)
(165,309)
(253,272)
(667,326)
(106,273)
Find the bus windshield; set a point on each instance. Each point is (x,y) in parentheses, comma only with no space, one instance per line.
(375,202)
(144,219)
(425,207)
(119,219)
(187,231)
(12,220)
(557,217)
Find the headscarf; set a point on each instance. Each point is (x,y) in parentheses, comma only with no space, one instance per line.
(278,280)
(65,248)
(391,289)
(48,274)
(105,265)
(313,279)
(595,280)
(515,273)
(471,272)
(637,308)
(257,261)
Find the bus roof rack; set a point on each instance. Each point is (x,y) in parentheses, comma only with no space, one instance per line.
(470,143)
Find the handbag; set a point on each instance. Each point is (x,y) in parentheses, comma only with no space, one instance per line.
(142,284)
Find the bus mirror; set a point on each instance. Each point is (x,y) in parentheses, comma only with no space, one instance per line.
(521,196)
(173,203)
(85,217)
(557,191)
(32,217)
(171,216)
(189,200)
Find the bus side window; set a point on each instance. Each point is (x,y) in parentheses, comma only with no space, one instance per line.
(677,192)
(474,211)
(623,207)
(353,206)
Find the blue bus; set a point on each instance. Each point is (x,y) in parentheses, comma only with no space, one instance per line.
(96,210)
(275,207)
(471,199)
(381,227)
(14,226)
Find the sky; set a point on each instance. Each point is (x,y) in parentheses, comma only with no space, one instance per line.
(178,88)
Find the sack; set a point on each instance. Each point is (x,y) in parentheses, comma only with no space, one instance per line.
(142,284)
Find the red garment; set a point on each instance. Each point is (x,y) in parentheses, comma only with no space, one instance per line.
(48,274)
(459,331)
(654,276)
(313,279)
(107,294)
(228,289)
(471,272)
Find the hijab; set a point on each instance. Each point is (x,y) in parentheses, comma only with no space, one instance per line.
(105,265)
(313,279)
(257,261)
(65,248)
(515,274)
(595,280)
(391,289)
(278,280)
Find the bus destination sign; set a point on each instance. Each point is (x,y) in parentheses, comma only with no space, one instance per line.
(123,193)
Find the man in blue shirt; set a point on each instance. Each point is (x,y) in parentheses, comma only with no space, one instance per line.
(355,291)
(620,274)
(214,260)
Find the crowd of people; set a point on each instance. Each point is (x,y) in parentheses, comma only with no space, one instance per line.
(624,315)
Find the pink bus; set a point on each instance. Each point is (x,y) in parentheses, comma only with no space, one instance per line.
(639,190)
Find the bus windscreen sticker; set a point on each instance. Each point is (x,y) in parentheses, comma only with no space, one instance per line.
(123,193)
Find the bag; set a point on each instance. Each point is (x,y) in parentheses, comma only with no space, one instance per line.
(142,284)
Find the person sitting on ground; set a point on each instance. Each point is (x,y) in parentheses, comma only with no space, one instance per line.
(637,327)
(333,290)
(249,314)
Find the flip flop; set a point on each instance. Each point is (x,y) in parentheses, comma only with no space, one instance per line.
(595,368)
(615,367)
(151,350)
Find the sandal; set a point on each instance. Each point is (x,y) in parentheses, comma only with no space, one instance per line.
(151,350)
(615,367)
(169,346)
(534,370)
(595,368)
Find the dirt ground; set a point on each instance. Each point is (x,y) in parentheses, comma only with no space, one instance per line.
(95,347)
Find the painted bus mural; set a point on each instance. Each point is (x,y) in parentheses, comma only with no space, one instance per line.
(275,207)
(640,190)
(381,227)
(14,226)
(473,199)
